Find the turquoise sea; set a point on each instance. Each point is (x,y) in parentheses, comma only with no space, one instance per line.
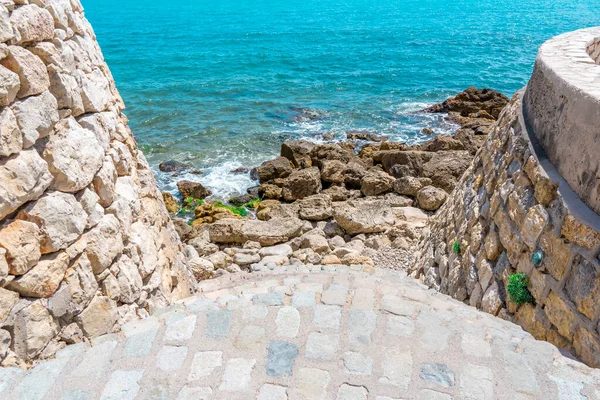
(215,83)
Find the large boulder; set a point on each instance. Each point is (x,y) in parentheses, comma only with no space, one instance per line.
(315,208)
(401,163)
(442,143)
(330,151)
(193,189)
(280,167)
(298,152)
(410,186)
(333,171)
(376,182)
(363,216)
(446,168)
(267,233)
(354,173)
(472,101)
(431,198)
(301,184)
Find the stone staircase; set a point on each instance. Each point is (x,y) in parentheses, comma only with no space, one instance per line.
(310,332)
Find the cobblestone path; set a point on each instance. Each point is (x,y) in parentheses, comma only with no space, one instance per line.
(319,333)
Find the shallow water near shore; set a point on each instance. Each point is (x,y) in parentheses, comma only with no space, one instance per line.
(216,84)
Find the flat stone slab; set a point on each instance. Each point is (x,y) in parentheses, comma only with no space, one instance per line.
(310,333)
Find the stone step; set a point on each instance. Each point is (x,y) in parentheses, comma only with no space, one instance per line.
(317,332)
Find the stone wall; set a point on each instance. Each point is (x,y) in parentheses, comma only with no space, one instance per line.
(562,107)
(85,240)
(510,204)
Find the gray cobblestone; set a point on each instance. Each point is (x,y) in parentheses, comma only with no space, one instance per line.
(249,337)
(350,392)
(427,394)
(361,325)
(437,373)
(77,395)
(476,383)
(218,324)
(180,331)
(204,363)
(397,369)
(280,358)
(312,384)
(237,375)
(272,392)
(304,299)
(321,346)
(269,299)
(333,297)
(195,393)
(327,317)
(170,358)
(357,363)
(122,385)
(399,326)
(288,322)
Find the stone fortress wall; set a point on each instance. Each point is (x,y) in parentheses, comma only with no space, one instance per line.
(85,240)
(521,196)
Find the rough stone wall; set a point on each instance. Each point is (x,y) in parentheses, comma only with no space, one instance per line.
(562,106)
(505,208)
(85,240)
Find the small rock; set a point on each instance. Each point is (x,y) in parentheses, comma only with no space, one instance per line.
(431,198)
(170,202)
(193,189)
(172,166)
(316,243)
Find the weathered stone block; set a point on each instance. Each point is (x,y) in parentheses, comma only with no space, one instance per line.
(36,117)
(587,346)
(98,318)
(579,233)
(44,278)
(22,241)
(556,254)
(23,177)
(31,70)
(560,313)
(583,287)
(9,84)
(535,222)
(32,24)
(60,217)
(73,155)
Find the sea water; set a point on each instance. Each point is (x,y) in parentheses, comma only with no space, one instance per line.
(217,84)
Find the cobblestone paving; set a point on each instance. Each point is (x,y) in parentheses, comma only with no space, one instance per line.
(318,333)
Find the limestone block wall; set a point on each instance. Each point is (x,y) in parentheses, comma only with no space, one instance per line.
(562,106)
(85,240)
(509,204)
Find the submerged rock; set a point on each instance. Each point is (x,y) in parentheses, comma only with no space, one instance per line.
(365,135)
(172,166)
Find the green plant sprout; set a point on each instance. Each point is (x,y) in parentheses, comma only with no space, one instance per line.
(517,289)
(456,247)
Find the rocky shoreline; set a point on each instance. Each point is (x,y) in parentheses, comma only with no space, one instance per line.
(334,203)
